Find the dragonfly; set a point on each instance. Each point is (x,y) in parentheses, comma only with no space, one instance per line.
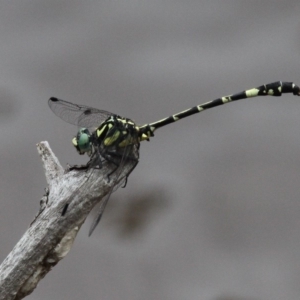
(105,136)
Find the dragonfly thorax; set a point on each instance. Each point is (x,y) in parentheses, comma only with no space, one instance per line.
(116,132)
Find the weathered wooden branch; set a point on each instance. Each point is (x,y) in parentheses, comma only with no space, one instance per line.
(50,235)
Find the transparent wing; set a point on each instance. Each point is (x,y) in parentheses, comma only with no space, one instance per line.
(80,115)
(128,151)
(99,213)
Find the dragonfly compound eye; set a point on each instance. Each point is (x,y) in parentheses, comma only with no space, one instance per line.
(82,141)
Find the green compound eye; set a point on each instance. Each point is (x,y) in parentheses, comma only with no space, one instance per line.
(82,141)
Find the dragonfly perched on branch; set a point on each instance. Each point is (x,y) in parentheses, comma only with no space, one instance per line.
(105,136)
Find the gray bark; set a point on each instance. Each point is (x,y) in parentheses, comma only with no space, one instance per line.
(50,235)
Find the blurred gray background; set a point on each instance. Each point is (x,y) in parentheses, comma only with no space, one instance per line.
(212,210)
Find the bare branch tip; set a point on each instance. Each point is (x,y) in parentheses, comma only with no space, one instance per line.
(52,166)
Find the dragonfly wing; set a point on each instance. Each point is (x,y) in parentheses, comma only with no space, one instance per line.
(100,213)
(80,115)
(92,117)
(130,153)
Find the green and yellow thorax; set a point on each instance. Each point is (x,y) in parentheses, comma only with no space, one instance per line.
(114,133)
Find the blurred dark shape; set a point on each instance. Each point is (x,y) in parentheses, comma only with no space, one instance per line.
(131,217)
(140,211)
(7,105)
(227,297)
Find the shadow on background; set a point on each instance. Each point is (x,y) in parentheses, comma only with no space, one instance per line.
(8,106)
(228,297)
(130,218)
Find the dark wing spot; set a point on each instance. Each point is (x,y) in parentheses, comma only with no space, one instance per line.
(87,112)
(53,99)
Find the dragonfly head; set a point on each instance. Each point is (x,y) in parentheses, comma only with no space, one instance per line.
(83,141)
